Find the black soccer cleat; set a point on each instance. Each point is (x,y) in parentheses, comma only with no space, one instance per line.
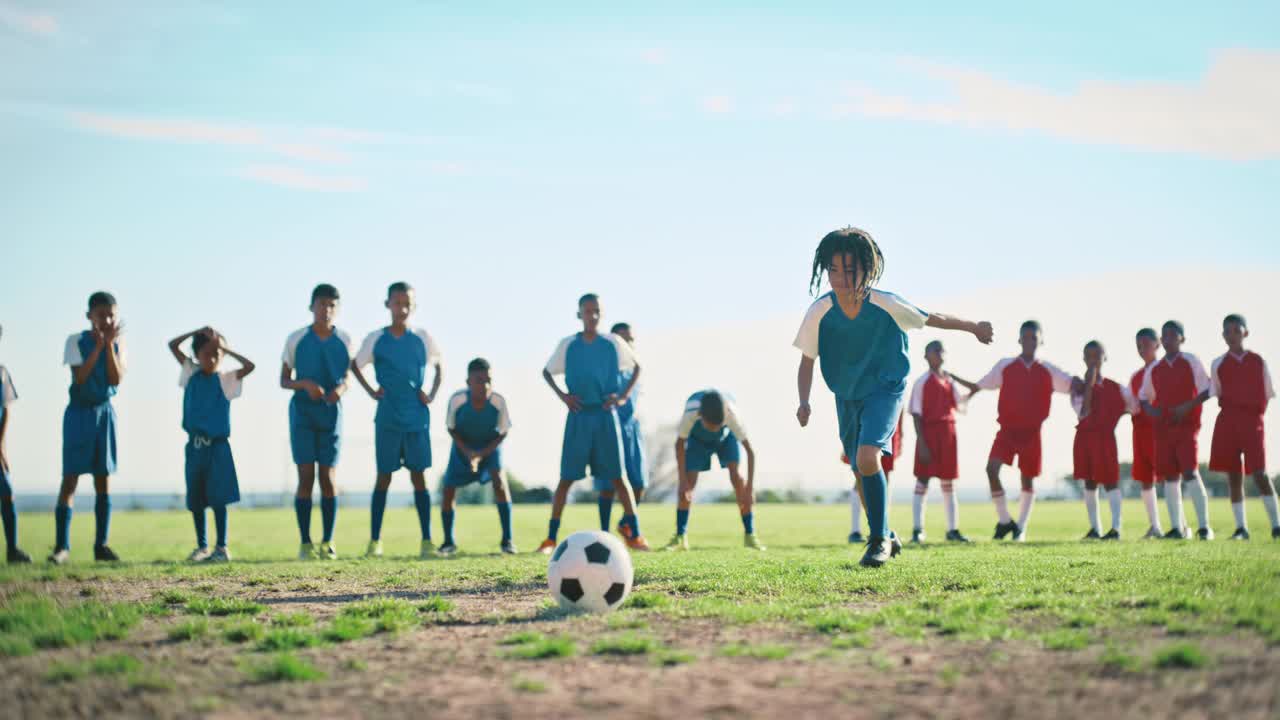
(957,536)
(856,538)
(877,553)
(1003,529)
(102,553)
(917,535)
(1240,534)
(1204,533)
(1112,534)
(895,545)
(1275,533)
(17,557)
(1091,535)
(1175,534)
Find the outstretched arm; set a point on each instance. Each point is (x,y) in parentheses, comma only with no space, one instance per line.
(804,384)
(981,330)
(971,387)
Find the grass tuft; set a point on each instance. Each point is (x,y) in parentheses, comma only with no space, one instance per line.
(629,644)
(29,623)
(764,651)
(541,647)
(1181,656)
(282,667)
(221,607)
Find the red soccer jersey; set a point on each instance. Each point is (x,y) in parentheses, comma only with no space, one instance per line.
(936,399)
(1242,383)
(1172,381)
(1109,405)
(1141,420)
(1025,391)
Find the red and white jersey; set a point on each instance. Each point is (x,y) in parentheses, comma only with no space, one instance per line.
(1171,381)
(1140,417)
(1111,401)
(935,398)
(1242,382)
(1025,390)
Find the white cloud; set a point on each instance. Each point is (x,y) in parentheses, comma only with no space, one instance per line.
(1232,111)
(719,104)
(299,179)
(204,132)
(29,23)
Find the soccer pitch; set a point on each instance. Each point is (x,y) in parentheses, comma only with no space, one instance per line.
(1051,627)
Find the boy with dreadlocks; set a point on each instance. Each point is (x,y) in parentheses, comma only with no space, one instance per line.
(859,334)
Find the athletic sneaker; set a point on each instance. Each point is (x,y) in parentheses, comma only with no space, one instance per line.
(877,553)
(1275,533)
(1204,533)
(17,557)
(750,541)
(624,530)
(426,550)
(1019,535)
(448,549)
(1176,534)
(220,554)
(1003,529)
(1153,534)
(60,556)
(198,554)
(547,547)
(374,550)
(308,552)
(1091,535)
(508,547)
(328,552)
(957,536)
(1112,534)
(917,535)
(1239,534)
(895,545)
(102,553)
(639,544)
(856,538)
(678,543)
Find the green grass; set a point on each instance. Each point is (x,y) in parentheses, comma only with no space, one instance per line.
(187,630)
(288,638)
(223,606)
(243,631)
(103,665)
(1117,660)
(389,615)
(528,685)
(1180,656)
(281,667)
(437,604)
(763,651)
(629,644)
(29,622)
(536,646)
(295,619)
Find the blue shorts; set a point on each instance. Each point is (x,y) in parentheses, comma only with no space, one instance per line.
(633,460)
(315,432)
(89,440)
(397,449)
(591,438)
(697,455)
(458,472)
(211,474)
(6,490)
(870,421)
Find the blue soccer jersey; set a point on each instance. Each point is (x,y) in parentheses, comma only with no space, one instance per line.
(95,390)
(691,427)
(478,428)
(206,400)
(863,355)
(400,366)
(592,370)
(324,361)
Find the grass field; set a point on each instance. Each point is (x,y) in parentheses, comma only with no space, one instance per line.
(1052,627)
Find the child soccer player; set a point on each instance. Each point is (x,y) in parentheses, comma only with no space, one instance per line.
(859,334)
(1173,390)
(8,394)
(633,460)
(1242,385)
(886,463)
(1099,405)
(936,397)
(478,423)
(206,416)
(1026,388)
(710,426)
(314,366)
(400,356)
(97,360)
(592,365)
(1144,434)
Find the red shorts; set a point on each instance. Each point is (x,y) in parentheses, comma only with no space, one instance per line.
(1024,444)
(1096,458)
(941,439)
(1144,454)
(1177,449)
(1237,434)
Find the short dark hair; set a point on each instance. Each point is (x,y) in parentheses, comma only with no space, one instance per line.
(1030,325)
(1236,318)
(478,365)
(326,291)
(620,327)
(1146,332)
(1174,324)
(1095,345)
(587,298)
(396,287)
(712,407)
(102,297)
(932,346)
(198,341)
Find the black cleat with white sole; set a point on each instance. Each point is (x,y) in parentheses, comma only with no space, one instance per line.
(877,553)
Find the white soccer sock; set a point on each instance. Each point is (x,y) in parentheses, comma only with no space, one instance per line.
(855,506)
(1269,502)
(1153,511)
(1091,506)
(1173,498)
(1200,499)
(1025,501)
(953,507)
(1237,509)
(1117,502)
(917,506)
(1002,506)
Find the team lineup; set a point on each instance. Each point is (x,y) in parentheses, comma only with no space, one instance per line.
(856,334)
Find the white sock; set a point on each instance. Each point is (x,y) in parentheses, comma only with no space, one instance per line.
(1173,498)
(953,507)
(917,506)
(1002,507)
(855,506)
(1195,488)
(1237,509)
(1091,506)
(1269,502)
(1117,502)
(1153,512)
(1025,501)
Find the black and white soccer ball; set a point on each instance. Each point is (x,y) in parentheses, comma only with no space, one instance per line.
(590,571)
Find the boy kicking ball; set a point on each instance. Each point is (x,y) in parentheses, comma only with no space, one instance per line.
(478,422)
(859,335)
(710,426)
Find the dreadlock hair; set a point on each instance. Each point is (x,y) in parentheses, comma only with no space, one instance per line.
(1234,319)
(848,241)
(712,408)
(1148,333)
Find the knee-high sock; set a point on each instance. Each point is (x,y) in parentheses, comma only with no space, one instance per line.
(1199,498)
(504,517)
(1150,503)
(10,516)
(377,507)
(62,527)
(1116,498)
(917,506)
(682,521)
(749,523)
(632,521)
(1269,502)
(875,489)
(422,501)
(553,528)
(1091,506)
(1002,506)
(328,516)
(220,524)
(1237,510)
(855,507)
(446,519)
(605,505)
(952,505)
(202,528)
(102,513)
(1173,498)
(1026,499)
(302,509)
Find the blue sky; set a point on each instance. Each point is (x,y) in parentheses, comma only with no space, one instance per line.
(209,162)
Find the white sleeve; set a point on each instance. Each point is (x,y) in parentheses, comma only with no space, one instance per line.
(687,420)
(346,341)
(232,384)
(556,364)
(994,379)
(1197,372)
(456,401)
(916,405)
(10,393)
(71,355)
(807,337)
(1131,404)
(1267,389)
(188,369)
(1077,404)
(433,350)
(962,400)
(365,355)
(626,355)
(504,415)
(290,355)
(908,316)
(732,421)
(1215,381)
(1061,380)
(1148,390)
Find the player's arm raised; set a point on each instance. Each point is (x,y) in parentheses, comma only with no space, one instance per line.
(980,330)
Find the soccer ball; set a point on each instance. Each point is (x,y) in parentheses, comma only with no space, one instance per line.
(590,571)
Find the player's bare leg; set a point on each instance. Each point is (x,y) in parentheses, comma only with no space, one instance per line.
(1004,523)
(746,507)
